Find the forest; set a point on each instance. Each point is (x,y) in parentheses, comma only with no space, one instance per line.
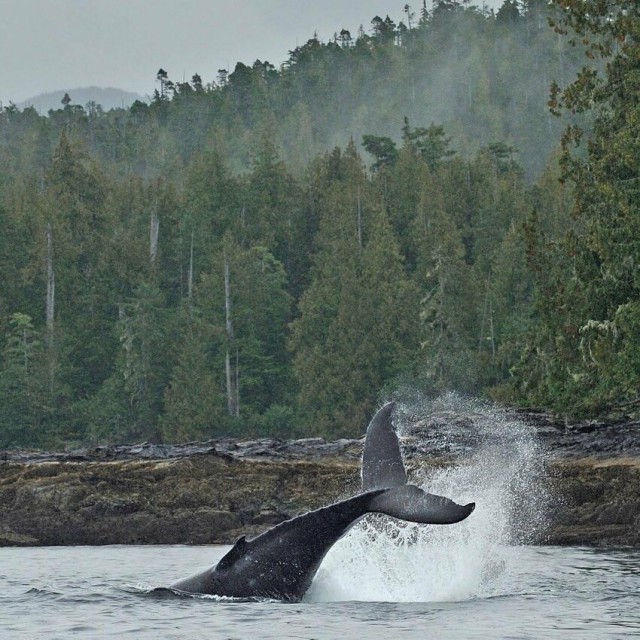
(446,203)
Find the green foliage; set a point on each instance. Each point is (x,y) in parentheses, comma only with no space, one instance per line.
(357,325)
(135,388)
(383,149)
(221,261)
(431,143)
(22,385)
(484,77)
(195,407)
(584,355)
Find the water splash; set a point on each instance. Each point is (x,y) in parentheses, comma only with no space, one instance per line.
(498,465)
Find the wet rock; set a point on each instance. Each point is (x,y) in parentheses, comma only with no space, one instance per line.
(597,502)
(215,491)
(199,499)
(9,538)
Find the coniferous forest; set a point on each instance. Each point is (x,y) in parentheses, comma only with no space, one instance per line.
(447,202)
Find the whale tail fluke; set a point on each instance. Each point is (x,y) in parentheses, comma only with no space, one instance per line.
(411,503)
(382,465)
(383,468)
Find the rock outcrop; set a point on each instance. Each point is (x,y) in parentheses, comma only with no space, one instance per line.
(195,500)
(213,492)
(596,502)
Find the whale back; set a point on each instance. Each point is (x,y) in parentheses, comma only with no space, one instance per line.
(281,563)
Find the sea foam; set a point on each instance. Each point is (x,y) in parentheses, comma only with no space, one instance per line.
(499,466)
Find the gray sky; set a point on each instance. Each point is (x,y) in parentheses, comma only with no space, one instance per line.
(47,45)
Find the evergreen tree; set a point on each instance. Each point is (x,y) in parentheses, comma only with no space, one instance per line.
(586,351)
(23,397)
(72,241)
(449,304)
(356,328)
(128,406)
(162,251)
(194,399)
(245,304)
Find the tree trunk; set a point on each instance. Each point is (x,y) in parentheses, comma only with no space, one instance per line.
(51,288)
(233,400)
(359,221)
(154,232)
(50,308)
(190,275)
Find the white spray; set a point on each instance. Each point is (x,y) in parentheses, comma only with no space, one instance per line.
(498,465)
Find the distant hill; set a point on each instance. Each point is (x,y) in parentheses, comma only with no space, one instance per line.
(108,98)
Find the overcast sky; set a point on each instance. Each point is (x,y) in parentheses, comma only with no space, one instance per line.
(47,45)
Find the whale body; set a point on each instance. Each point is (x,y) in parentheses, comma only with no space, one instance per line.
(281,563)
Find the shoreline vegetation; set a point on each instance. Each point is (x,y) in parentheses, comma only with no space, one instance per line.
(263,256)
(271,251)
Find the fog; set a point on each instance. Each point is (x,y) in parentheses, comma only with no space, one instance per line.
(46,46)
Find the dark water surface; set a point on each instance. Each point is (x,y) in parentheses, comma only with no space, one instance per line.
(404,590)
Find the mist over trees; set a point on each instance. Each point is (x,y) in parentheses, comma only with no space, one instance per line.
(273,251)
(584,355)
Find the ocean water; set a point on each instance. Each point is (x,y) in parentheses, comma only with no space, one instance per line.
(533,592)
(480,578)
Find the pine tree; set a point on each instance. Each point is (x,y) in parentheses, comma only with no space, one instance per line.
(194,400)
(356,328)
(245,303)
(591,361)
(450,322)
(23,389)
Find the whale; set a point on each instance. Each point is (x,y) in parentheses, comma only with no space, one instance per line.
(382,465)
(280,563)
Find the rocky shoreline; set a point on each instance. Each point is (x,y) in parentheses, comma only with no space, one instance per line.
(213,492)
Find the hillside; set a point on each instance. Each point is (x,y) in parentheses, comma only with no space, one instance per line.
(107,98)
(391,214)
